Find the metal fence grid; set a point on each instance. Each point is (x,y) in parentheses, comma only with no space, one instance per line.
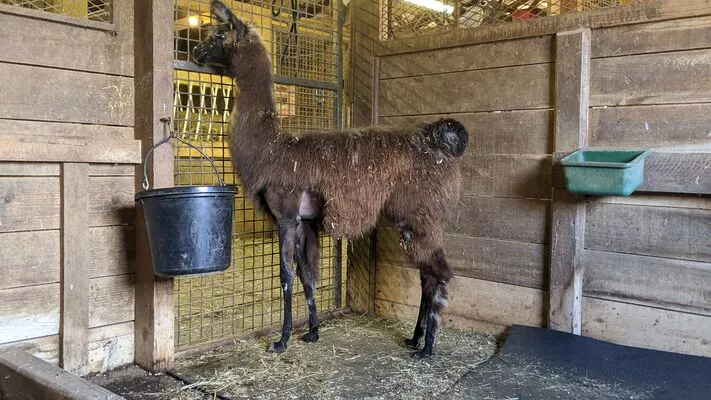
(247,297)
(407,18)
(94,10)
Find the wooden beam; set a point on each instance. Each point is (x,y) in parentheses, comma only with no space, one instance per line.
(23,376)
(657,10)
(153,26)
(75,265)
(572,101)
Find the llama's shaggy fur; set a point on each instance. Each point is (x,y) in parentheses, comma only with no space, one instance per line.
(343,180)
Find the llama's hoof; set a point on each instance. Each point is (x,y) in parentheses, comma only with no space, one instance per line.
(412,344)
(277,347)
(310,337)
(422,354)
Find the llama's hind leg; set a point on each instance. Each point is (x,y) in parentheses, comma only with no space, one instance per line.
(307,261)
(287,238)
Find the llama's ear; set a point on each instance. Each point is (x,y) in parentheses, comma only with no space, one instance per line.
(225,15)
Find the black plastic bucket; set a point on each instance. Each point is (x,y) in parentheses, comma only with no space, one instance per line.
(189,228)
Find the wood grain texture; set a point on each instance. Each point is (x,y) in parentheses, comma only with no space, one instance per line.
(495,303)
(58,142)
(84,97)
(75,267)
(650,126)
(111,200)
(537,50)
(659,10)
(653,37)
(652,281)
(516,263)
(510,88)
(36,42)
(29,203)
(654,231)
(655,328)
(9,168)
(154,333)
(664,78)
(520,220)
(29,312)
(502,132)
(113,251)
(525,176)
(572,96)
(32,378)
(111,300)
(29,258)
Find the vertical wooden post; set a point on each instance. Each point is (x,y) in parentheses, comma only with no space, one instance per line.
(572,79)
(75,268)
(153,29)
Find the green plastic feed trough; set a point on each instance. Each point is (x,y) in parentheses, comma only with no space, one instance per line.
(604,172)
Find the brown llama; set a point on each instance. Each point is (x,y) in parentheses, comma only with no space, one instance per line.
(337,181)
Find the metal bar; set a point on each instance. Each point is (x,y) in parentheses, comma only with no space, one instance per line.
(339,68)
(280,79)
(338,274)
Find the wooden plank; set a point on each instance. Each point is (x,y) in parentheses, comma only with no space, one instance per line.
(408,313)
(154,331)
(523,176)
(8,9)
(110,347)
(45,348)
(651,281)
(28,377)
(677,77)
(358,276)
(35,42)
(75,267)
(658,200)
(500,132)
(659,10)
(647,327)
(537,50)
(522,220)
(650,126)
(111,200)
(516,263)
(58,142)
(112,170)
(108,100)
(653,231)
(29,312)
(28,169)
(469,298)
(509,88)
(111,300)
(572,99)
(29,203)
(113,251)
(677,172)
(654,37)
(29,258)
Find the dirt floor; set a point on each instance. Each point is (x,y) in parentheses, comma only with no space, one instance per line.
(357,357)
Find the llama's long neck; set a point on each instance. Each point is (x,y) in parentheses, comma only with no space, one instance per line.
(254,125)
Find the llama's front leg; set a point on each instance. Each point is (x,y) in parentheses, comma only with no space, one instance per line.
(414,343)
(434,292)
(307,261)
(287,240)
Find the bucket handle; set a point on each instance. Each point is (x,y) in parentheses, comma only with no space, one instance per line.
(166,121)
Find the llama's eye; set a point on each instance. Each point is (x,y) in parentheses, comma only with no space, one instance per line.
(220,35)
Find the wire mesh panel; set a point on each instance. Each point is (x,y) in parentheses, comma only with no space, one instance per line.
(94,10)
(406,18)
(303,40)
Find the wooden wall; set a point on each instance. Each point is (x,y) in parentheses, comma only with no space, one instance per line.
(636,76)
(67,166)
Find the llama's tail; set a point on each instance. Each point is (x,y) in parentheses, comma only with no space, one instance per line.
(447,135)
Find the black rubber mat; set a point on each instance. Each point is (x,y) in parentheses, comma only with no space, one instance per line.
(536,363)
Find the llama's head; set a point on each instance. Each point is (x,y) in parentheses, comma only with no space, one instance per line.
(222,47)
